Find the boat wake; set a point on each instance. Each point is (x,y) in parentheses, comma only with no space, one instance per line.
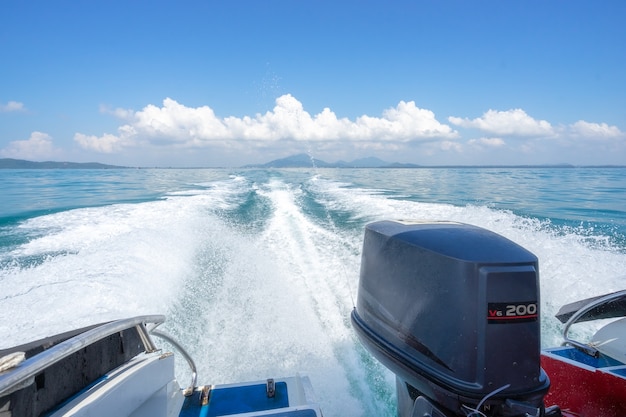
(258,275)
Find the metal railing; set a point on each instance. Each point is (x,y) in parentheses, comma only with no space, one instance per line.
(24,372)
(581,312)
(194,374)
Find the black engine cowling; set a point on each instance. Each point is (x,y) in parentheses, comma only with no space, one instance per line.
(453,311)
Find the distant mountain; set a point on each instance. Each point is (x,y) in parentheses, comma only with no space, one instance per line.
(371,162)
(295,161)
(8,163)
(305,161)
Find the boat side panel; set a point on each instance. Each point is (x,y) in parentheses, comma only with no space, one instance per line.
(584,390)
(68,377)
(140,388)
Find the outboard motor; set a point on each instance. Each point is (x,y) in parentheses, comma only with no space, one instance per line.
(453,311)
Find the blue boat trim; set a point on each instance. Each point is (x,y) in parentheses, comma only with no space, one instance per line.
(293,413)
(574,354)
(239,399)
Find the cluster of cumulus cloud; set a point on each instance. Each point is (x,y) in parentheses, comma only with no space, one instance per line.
(176,126)
(287,121)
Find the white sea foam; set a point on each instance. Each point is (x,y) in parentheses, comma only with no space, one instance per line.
(96,264)
(258,302)
(572,266)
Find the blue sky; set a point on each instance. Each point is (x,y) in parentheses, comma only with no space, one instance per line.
(207,83)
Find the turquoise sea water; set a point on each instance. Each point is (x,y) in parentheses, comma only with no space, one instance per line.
(257,270)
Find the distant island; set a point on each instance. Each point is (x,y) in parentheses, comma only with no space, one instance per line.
(306,161)
(295,161)
(8,163)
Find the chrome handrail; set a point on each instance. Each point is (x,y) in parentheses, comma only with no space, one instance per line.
(194,374)
(590,350)
(34,365)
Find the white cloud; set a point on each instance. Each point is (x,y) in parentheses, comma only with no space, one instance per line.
(592,143)
(196,135)
(105,144)
(405,122)
(487,142)
(39,146)
(125,114)
(596,130)
(179,126)
(513,122)
(448,145)
(12,106)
